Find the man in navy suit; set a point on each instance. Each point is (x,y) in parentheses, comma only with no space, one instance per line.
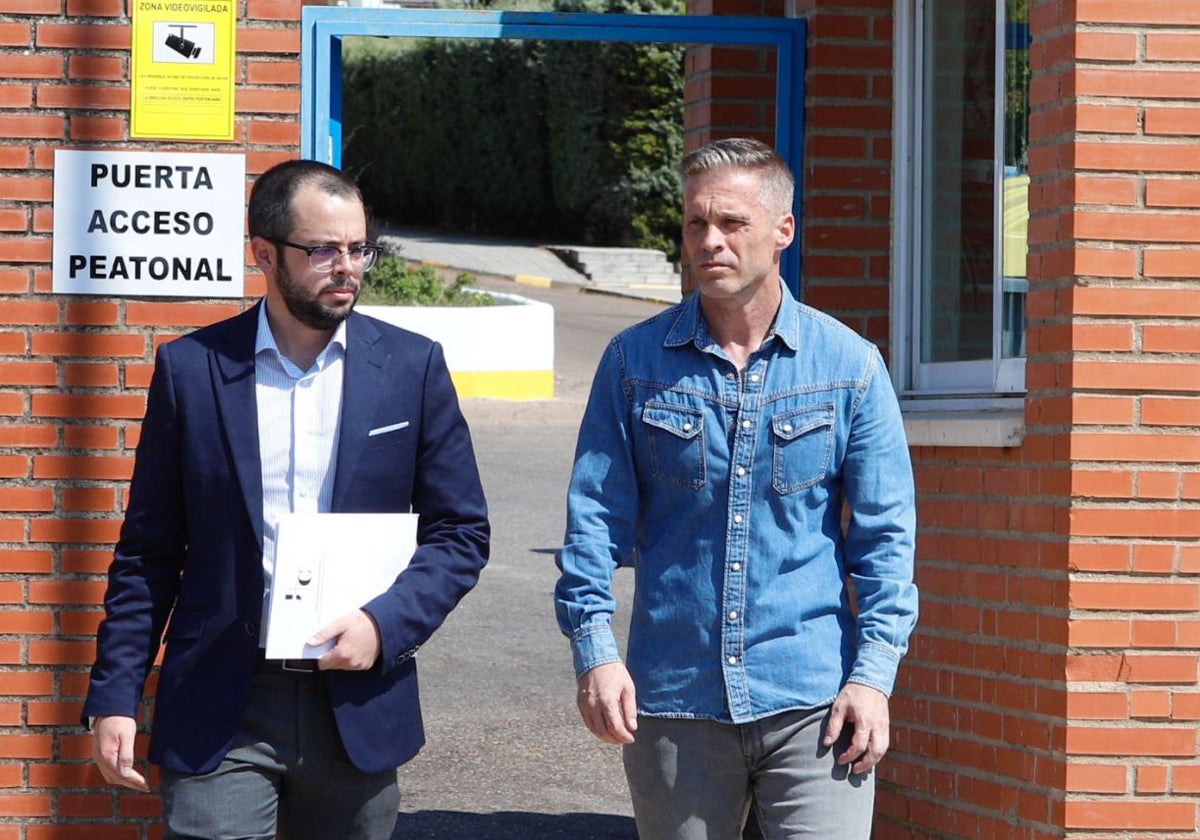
(297,405)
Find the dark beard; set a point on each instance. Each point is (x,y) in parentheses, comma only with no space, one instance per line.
(310,311)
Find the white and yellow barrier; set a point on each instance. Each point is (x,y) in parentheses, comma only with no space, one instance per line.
(504,351)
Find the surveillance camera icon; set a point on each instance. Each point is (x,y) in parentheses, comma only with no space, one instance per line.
(182,45)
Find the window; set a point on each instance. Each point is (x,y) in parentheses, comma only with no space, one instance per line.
(961,166)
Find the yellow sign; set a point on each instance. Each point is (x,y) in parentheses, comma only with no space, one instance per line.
(183,69)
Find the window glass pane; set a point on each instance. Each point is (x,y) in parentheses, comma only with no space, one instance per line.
(1016,176)
(959,180)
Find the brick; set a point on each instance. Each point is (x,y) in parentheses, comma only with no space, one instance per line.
(25,804)
(27,561)
(1172,46)
(26,499)
(84,36)
(22,746)
(25,622)
(1151,779)
(1105,262)
(96,68)
(177,313)
(1102,337)
(66,592)
(33,66)
(1168,121)
(95,8)
(26,683)
(85,499)
(1096,778)
(61,653)
(71,406)
(273,73)
(91,375)
(90,437)
(90,466)
(92,97)
(33,127)
(1161,338)
(1161,669)
(86,562)
(1112,741)
(1106,118)
(1102,410)
(29,373)
(1142,376)
(1114,446)
(1154,559)
(1137,226)
(80,623)
(1149,523)
(1099,633)
(89,344)
(1150,705)
(97,129)
(1088,705)
(1170,411)
(1170,264)
(1173,192)
(1186,779)
(1106,191)
(288,10)
(1132,816)
(267,101)
(74,530)
(28,435)
(1106,45)
(52,713)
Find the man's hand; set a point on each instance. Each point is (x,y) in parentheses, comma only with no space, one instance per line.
(357,645)
(608,704)
(866,709)
(112,750)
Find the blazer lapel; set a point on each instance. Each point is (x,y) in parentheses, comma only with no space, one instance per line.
(366,363)
(233,384)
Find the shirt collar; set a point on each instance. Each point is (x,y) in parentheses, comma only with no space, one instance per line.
(265,340)
(691,328)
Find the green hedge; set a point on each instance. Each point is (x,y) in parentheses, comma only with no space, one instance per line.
(546,140)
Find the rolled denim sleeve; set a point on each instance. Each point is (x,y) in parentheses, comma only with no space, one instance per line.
(881,535)
(602,505)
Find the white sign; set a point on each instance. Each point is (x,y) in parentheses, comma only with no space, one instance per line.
(149,224)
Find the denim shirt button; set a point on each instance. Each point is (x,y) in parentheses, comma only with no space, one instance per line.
(754,377)
(737,517)
(733,660)
(787,427)
(737,567)
(745,424)
(687,427)
(733,615)
(741,471)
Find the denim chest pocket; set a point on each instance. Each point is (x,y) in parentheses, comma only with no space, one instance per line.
(675,438)
(803,446)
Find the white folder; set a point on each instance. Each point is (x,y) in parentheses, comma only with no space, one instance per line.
(328,564)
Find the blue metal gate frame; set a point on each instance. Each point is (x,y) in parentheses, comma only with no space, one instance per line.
(323,27)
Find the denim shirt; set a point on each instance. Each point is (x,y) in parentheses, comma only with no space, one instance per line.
(753,594)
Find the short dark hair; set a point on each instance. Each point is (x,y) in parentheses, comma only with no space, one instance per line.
(778,183)
(270,212)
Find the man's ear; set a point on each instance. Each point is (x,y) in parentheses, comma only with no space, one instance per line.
(264,251)
(785,230)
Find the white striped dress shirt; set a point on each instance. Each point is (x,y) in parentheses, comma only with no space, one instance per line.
(299,414)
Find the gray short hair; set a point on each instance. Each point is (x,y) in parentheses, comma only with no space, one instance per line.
(778,183)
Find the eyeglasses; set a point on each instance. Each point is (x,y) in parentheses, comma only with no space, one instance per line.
(322,258)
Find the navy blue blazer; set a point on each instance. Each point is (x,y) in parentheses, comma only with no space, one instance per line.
(190,548)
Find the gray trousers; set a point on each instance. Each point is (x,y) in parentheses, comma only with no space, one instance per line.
(287,776)
(696,780)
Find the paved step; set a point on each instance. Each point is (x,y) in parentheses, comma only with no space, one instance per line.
(608,266)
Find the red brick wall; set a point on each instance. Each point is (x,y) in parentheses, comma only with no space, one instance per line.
(1133,313)
(1051,687)
(73,370)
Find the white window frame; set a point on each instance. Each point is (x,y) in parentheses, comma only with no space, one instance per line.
(991,384)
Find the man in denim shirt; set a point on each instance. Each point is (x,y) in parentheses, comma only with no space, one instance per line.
(746,455)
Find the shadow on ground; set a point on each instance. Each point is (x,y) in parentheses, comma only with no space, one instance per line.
(511,825)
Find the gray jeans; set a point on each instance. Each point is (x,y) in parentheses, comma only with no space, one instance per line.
(287,772)
(696,780)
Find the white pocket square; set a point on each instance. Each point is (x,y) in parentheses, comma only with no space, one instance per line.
(383,430)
